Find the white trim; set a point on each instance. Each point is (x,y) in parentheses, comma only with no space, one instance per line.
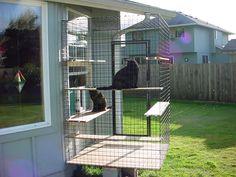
(121,5)
(45,73)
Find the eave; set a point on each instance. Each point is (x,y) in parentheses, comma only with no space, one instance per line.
(119,5)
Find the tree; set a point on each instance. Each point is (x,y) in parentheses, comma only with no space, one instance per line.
(23,41)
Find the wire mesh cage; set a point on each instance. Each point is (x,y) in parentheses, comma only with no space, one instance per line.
(117,91)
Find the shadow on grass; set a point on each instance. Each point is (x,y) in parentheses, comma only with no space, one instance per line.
(216,123)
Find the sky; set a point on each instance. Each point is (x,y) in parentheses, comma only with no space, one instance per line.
(219,13)
(9,11)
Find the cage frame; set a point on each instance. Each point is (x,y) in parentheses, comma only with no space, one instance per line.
(116,138)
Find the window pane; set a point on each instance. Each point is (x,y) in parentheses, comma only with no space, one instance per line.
(20,65)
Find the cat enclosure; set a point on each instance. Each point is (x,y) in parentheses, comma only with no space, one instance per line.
(132,130)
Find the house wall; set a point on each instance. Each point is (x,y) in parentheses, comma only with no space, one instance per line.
(182,48)
(220,37)
(185,58)
(185,43)
(204,43)
(39,152)
(219,57)
(139,49)
(202,40)
(232,58)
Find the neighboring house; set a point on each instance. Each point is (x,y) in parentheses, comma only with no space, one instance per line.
(195,41)
(191,41)
(230,50)
(31,140)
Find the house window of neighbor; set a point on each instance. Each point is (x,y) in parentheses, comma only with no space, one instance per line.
(172,59)
(23,101)
(179,33)
(205,59)
(137,35)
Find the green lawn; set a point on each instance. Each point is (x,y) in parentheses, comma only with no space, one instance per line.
(203,141)
(13,115)
(203,136)
(134,121)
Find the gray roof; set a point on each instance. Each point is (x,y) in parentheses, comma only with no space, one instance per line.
(146,24)
(179,19)
(230,46)
(182,19)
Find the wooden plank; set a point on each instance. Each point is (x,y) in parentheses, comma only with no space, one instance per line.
(86,116)
(120,154)
(128,89)
(119,138)
(79,61)
(157,109)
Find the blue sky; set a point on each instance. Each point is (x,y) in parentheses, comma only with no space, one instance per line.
(219,13)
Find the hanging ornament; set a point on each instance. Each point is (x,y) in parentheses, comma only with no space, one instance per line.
(19,81)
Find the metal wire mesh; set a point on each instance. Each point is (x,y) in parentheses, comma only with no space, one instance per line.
(132,130)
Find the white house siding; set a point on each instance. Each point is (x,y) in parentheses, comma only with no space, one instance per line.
(39,152)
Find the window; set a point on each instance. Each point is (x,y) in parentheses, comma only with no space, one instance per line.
(78,26)
(205,59)
(172,59)
(24,103)
(216,34)
(137,35)
(179,33)
(78,29)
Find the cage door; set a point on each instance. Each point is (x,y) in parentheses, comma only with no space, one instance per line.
(129,105)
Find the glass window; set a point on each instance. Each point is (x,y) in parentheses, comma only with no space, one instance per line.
(179,33)
(205,59)
(21,81)
(137,35)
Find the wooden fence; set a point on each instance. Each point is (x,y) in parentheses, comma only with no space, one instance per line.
(212,82)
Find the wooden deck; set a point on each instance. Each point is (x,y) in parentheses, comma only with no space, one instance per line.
(122,154)
(117,138)
(125,89)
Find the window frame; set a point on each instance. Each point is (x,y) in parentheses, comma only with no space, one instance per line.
(137,35)
(179,33)
(44,69)
(205,59)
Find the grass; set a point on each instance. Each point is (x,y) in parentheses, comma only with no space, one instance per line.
(203,136)
(203,141)
(133,110)
(13,115)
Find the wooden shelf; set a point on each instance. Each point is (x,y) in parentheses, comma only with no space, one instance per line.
(116,138)
(122,154)
(75,61)
(81,88)
(86,116)
(157,109)
(128,89)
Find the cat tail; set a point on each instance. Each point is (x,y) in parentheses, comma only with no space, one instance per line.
(105,88)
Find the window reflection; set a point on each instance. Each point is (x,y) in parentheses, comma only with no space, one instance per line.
(20,65)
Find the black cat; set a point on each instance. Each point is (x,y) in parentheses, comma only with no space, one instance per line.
(99,101)
(125,78)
